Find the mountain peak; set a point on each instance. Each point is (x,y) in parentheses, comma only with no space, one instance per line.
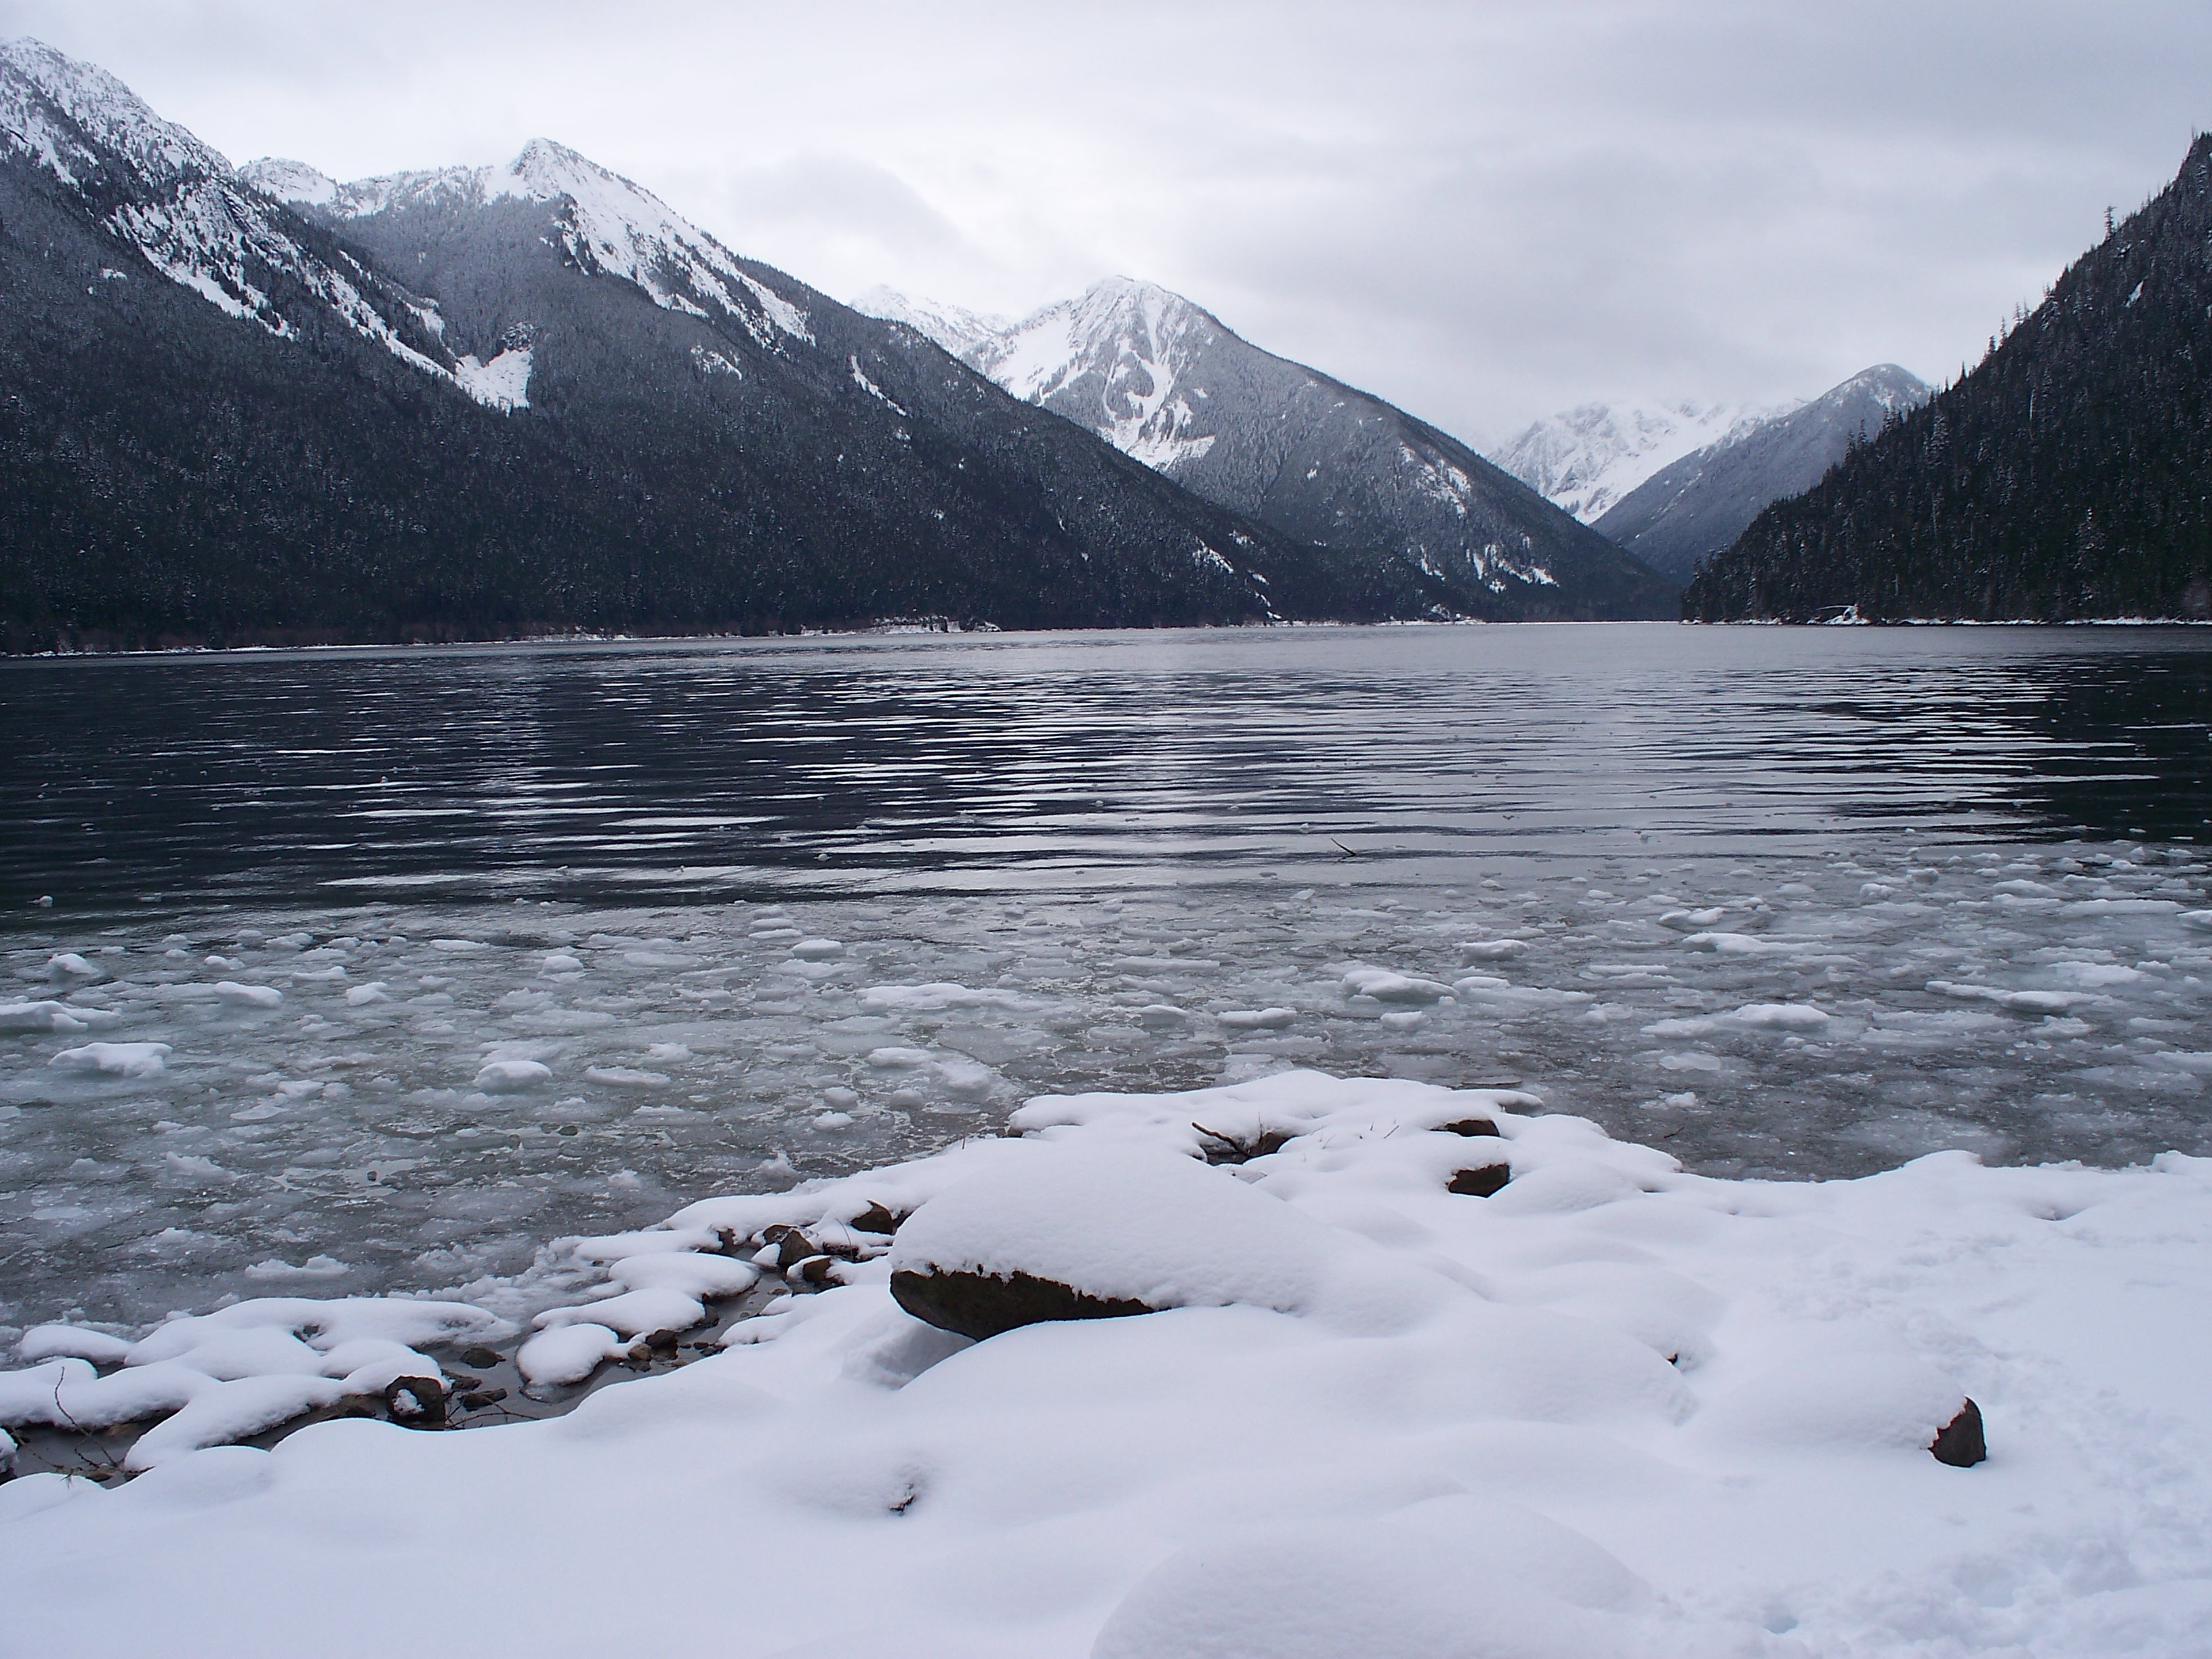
(290,181)
(954,329)
(38,84)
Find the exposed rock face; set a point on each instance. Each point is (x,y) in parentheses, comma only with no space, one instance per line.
(1959,1442)
(975,1305)
(1480,1183)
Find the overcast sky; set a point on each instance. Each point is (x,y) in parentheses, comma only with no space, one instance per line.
(1482,211)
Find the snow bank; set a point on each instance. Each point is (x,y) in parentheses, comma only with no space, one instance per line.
(1611,1408)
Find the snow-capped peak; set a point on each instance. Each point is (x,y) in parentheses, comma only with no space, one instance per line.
(38,84)
(1586,458)
(290,181)
(1130,343)
(606,224)
(957,328)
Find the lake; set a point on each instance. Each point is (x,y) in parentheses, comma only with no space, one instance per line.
(407,962)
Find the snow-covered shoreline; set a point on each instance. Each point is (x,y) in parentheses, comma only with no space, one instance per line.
(1612,1406)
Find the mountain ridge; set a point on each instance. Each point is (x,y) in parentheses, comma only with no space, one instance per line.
(577,411)
(1165,381)
(2067,476)
(1695,507)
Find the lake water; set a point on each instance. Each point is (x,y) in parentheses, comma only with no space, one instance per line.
(453,951)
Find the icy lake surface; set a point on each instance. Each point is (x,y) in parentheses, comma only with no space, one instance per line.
(374,970)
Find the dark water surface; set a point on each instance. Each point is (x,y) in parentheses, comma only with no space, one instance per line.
(621,773)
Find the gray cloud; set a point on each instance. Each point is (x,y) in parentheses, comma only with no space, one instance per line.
(1484,211)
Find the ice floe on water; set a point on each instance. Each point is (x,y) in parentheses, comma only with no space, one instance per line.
(421,1097)
(1258,1373)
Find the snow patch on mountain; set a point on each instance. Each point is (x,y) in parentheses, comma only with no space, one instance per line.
(606,224)
(292,182)
(503,384)
(39,84)
(956,329)
(1585,460)
(1125,343)
(179,202)
(861,380)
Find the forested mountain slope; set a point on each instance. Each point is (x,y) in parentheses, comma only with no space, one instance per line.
(254,405)
(2067,476)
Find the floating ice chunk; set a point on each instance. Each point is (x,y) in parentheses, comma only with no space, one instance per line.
(663,1054)
(625,1077)
(1494,949)
(132,1060)
(68,964)
(938,995)
(832,1121)
(560,962)
(1752,1016)
(512,1077)
(55,1016)
(231,1411)
(360,996)
(2033,1002)
(566,1353)
(250,996)
(1257,1019)
(1687,920)
(2090,975)
(1384,986)
(315,1266)
(1738,944)
(895,1059)
(818,950)
(2198,919)
(1405,1019)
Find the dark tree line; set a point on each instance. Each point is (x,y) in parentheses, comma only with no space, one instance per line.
(2069,475)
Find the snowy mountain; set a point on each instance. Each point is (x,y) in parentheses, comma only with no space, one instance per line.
(1169,385)
(1587,459)
(956,328)
(175,202)
(1701,503)
(481,401)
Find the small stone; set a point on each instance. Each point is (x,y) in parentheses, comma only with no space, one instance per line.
(1480,1183)
(1469,1126)
(1959,1442)
(477,1399)
(876,1219)
(792,1246)
(417,1401)
(482,1358)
